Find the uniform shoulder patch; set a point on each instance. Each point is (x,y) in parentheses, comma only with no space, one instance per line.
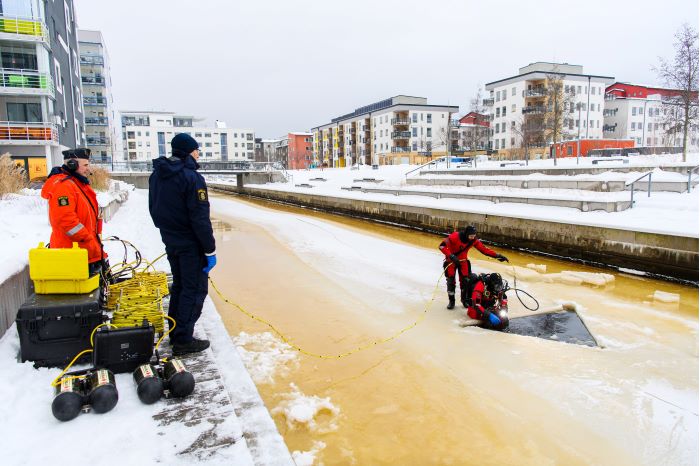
(63,201)
(202,195)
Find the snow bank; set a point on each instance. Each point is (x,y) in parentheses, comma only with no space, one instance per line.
(265,355)
(313,413)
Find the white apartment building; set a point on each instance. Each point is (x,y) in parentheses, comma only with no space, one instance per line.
(401,129)
(147,135)
(102,127)
(638,112)
(515,99)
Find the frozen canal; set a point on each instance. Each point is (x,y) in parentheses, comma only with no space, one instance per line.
(441,393)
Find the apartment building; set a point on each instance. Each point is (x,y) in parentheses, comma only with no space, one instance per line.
(639,113)
(102,126)
(471,133)
(401,129)
(300,151)
(522,101)
(147,135)
(40,95)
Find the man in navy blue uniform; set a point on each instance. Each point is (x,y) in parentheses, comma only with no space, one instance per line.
(179,204)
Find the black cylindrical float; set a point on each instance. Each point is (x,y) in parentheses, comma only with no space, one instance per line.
(149,385)
(179,381)
(69,399)
(102,390)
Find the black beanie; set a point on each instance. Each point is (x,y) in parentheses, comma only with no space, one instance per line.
(77,153)
(470,230)
(184,142)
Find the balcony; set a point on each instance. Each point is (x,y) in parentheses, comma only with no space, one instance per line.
(97,141)
(609,128)
(25,82)
(403,150)
(533,110)
(401,135)
(89,60)
(96,121)
(20,133)
(23,29)
(400,121)
(487,102)
(95,101)
(536,92)
(93,80)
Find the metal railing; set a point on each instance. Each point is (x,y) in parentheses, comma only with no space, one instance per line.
(539,92)
(400,149)
(92,60)
(533,109)
(24,131)
(230,165)
(98,80)
(400,135)
(631,185)
(89,100)
(24,27)
(26,79)
(92,141)
(400,121)
(690,176)
(432,162)
(101,121)
(487,102)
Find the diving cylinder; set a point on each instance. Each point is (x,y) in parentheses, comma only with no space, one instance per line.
(102,390)
(179,381)
(149,385)
(69,399)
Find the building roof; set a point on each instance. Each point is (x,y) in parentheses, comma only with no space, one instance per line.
(534,72)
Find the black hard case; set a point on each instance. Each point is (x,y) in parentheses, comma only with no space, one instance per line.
(123,349)
(54,328)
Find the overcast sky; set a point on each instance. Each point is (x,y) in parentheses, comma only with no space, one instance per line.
(288,65)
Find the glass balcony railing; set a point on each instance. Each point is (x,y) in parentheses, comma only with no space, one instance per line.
(95,80)
(400,121)
(97,141)
(487,102)
(536,92)
(401,135)
(20,131)
(96,121)
(534,109)
(99,101)
(23,81)
(30,28)
(400,149)
(92,60)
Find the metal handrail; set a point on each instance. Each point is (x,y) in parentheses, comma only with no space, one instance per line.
(631,185)
(28,131)
(24,26)
(26,79)
(690,173)
(426,164)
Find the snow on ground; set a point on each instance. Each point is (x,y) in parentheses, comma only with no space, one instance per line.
(128,432)
(673,213)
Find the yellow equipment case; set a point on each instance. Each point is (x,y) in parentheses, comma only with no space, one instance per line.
(61,271)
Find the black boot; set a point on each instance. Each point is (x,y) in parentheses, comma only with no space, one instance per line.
(463,297)
(451,297)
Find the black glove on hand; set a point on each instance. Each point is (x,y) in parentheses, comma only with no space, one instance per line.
(454,258)
(502,258)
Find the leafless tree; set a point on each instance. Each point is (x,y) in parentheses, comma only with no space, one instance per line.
(681,110)
(558,104)
(477,103)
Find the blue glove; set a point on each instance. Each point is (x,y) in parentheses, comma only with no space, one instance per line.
(493,318)
(211,262)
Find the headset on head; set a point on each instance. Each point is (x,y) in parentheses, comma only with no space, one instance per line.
(72,164)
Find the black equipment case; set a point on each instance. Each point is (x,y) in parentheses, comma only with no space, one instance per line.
(123,349)
(54,328)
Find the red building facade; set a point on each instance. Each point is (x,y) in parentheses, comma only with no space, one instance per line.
(300,152)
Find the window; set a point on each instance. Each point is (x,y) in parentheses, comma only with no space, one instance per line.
(633,126)
(161,144)
(639,125)
(503,143)
(415,146)
(571,107)
(414,131)
(429,117)
(649,127)
(592,107)
(130,135)
(498,99)
(634,111)
(414,117)
(498,112)
(503,110)
(579,89)
(24,112)
(512,108)
(503,127)
(198,135)
(207,135)
(429,132)
(512,91)
(497,131)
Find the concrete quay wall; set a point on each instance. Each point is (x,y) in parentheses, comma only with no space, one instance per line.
(657,253)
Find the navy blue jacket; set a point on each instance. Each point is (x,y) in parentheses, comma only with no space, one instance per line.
(179,204)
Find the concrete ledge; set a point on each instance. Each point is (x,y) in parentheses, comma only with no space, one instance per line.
(591,185)
(660,254)
(13,292)
(677,168)
(582,205)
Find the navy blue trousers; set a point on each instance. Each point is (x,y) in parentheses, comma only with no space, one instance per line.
(188,292)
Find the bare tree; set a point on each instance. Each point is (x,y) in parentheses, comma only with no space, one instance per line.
(557,104)
(681,110)
(477,103)
(530,134)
